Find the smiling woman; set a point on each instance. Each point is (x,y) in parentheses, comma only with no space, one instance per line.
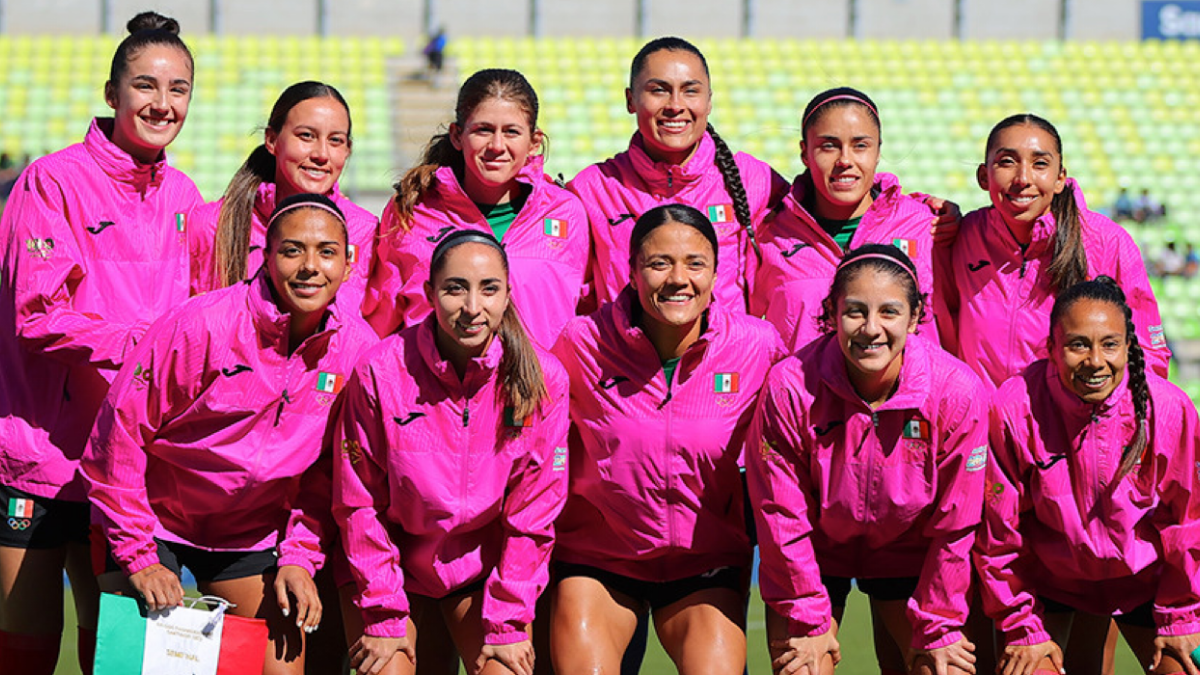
(195,461)
(95,250)
(485,174)
(306,145)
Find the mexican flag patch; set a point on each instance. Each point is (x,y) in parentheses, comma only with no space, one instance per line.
(720,213)
(725,383)
(916,429)
(908,246)
(20,508)
(180,222)
(330,383)
(511,421)
(552,227)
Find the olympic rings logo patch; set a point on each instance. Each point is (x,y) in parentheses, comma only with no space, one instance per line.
(19,524)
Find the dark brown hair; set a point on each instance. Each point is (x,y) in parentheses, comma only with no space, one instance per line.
(1069,264)
(237,205)
(1105,289)
(146,29)
(484,85)
(521,379)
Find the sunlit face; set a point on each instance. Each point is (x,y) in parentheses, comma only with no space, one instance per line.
(306,261)
(496,140)
(874,319)
(469,294)
(151,100)
(841,151)
(311,148)
(672,99)
(1090,349)
(1022,173)
(673,275)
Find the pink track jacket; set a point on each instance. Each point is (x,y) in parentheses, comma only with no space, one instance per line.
(361,225)
(547,247)
(998,300)
(890,492)
(655,487)
(437,486)
(616,192)
(1058,524)
(800,258)
(210,424)
(95,249)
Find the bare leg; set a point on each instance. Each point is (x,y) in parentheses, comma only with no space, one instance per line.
(1141,641)
(590,627)
(702,633)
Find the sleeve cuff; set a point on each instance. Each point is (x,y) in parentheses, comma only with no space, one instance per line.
(396,627)
(142,561)
(504,634)
(298,560)
(801,629)
(931,641)
(1025,639)
(1167,628)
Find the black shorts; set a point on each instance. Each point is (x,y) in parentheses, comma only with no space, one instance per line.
(884,590)
(657,594)
(466,589)
(208,565)
(1141,617)
(39,522)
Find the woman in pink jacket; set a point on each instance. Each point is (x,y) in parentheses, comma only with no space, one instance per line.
(306,145)
(663,381)
(870,449)
(675,157)
(485,174)
(450,467)
(197,451)
(94,251)
(1038,238)
(839,203)
(1093,500)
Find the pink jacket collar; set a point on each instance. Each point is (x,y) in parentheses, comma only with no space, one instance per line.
(887,196)
(118,164)
(914,388)
(1075,408)
(659,174)
(478,372)
(272,324)
(623,318)
(454,197)
(1042,238)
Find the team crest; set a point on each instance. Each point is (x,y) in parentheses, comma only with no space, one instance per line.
(560,459)
(978,459)
(41,248)
(1158,337)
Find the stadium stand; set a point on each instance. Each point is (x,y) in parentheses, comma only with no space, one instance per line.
(1126,110)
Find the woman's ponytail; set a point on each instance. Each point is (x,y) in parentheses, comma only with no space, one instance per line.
(520,370)
(237,215)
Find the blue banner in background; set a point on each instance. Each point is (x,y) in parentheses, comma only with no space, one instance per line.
(1171,20)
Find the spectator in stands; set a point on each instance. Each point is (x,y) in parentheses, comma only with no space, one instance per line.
(1191,262)
(1123,207)
(1146,208)
(1170,262)
(96,250)
(435,53)
(306,145)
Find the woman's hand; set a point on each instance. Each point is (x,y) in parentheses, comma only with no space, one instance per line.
(944,227)
(1180,647)
(803,655)
(1024,659)
(517,657)
(293,581)
(370,654)
(960,655)
(159,586)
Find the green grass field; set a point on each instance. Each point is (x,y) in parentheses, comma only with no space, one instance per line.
(858,655)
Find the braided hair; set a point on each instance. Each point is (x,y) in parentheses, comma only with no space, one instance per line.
(1105,289)
(723,158)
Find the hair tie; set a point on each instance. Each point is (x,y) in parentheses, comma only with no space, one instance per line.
(840,97)
(882,256)
(305,205)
